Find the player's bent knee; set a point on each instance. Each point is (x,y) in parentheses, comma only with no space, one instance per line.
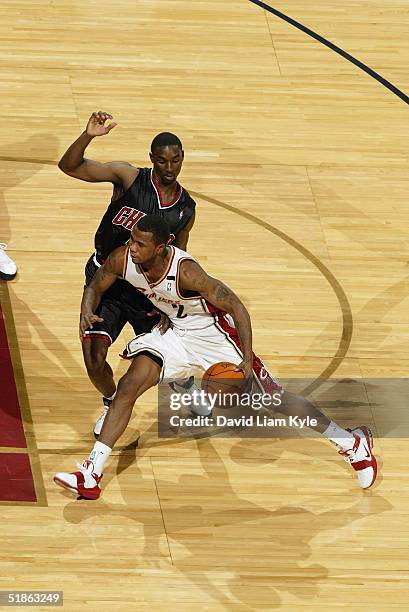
(94,356)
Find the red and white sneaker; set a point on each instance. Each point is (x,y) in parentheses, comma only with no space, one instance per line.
(361,458)
(84,482)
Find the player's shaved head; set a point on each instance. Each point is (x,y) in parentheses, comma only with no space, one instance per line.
(165,139)
(156,226)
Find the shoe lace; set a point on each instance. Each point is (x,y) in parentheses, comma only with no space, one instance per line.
(83,467)
(349,456)
(3,246)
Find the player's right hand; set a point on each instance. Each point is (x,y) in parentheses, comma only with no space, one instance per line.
(246,366)
(86,321)
(96,124)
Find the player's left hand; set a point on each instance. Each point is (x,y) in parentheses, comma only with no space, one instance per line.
(164,322)
(86,321)
(246,366)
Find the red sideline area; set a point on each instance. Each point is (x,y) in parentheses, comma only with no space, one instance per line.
(16,479)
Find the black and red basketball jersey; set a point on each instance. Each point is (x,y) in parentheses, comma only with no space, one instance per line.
(142,198)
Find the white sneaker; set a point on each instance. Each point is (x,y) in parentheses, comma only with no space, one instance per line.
(361,458)
(189,386)
(8,268)
(100,420)
(204,408)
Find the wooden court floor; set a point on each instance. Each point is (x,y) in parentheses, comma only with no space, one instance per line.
(298,162)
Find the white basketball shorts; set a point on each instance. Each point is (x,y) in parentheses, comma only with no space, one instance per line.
(186,352)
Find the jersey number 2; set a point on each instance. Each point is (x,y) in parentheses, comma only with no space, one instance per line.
(180,314)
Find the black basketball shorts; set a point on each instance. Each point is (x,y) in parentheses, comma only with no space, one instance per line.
(119,305)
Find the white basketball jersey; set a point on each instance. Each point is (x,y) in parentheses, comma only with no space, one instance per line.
(185,313)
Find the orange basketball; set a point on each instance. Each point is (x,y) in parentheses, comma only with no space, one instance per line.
(221,378)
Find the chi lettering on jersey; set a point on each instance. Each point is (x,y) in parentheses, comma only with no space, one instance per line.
(128,217)
(140,199)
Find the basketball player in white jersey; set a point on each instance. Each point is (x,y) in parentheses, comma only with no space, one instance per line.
(209,324)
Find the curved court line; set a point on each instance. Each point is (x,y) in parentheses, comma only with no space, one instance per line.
(347,320)
(372,73)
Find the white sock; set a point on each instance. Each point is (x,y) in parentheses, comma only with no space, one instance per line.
(341,437)
(98,456)
(112,396)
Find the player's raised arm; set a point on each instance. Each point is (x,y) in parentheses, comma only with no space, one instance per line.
(104,277)
(183,236)
(194,278)
(74,164)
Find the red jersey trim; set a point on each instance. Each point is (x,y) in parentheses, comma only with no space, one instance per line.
(161,203)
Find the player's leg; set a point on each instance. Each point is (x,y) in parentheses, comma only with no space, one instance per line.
(121,304)
(354,445)
(154,357)
(95,350)
(143,373)
(95,345)
(299,407)
(141,323)
(96,341)
(124,304)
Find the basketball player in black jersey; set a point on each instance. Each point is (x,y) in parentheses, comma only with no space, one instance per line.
(136,193)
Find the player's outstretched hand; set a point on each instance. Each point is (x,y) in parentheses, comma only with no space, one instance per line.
(164,322)
(96,124)
(246,366)
(86,321)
